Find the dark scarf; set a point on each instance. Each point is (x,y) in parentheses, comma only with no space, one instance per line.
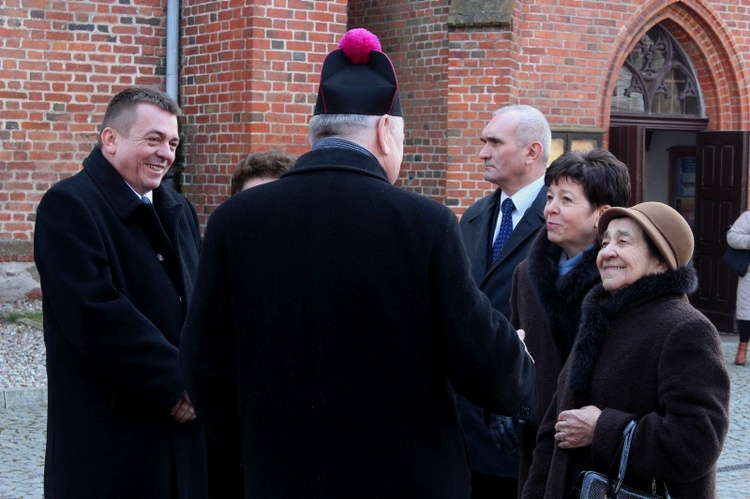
(560,296)
(600,306)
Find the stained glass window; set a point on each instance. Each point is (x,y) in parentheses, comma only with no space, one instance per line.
(657,78)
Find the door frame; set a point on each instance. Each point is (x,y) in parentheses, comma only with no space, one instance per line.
(717,286)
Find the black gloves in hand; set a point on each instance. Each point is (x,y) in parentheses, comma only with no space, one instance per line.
(506,433)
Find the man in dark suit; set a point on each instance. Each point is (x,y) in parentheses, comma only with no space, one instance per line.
(516,150)
(117,252)
(334,314)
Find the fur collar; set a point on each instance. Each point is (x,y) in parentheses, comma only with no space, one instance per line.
(600,307)
(560,296)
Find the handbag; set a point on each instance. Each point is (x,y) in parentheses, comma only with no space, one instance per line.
(593,485)
(737,259)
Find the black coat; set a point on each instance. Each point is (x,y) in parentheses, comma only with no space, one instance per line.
(112,318)
(642,353)
(547,307)
(333,315)
(477,229)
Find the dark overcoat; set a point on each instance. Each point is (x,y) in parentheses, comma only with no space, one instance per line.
(641,353)
(114,297)
(547,306)
(494,279)
(333,316)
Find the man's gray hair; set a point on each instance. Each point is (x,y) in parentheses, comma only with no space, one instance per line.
(532,126)
(339,125)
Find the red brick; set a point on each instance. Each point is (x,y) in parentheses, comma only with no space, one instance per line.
(241,91)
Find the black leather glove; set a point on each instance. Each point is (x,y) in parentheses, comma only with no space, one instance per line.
(506,433)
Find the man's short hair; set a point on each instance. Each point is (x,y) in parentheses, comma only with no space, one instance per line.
(267,164)
(603,178)
(120,112)
(532,127)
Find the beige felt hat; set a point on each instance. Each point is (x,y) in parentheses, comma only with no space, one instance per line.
(668,229)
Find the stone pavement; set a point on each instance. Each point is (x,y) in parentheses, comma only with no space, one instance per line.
(23,420)
(734,462)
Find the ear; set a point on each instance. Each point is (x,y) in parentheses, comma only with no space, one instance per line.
(535,151)
(109,140)
(384,131)
(599,212)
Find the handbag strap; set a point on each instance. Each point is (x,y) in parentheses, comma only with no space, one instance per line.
(627,438)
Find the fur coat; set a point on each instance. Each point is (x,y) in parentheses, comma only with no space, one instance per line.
(641,353)
(546,305)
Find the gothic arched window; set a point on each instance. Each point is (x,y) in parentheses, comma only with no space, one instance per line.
(657,78)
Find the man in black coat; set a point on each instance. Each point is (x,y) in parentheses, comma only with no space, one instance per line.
(516,149)
(116,276)
(334,314)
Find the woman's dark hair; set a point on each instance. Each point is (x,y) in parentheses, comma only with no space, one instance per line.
(604,178)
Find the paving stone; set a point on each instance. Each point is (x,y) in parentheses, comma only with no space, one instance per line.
(23,436)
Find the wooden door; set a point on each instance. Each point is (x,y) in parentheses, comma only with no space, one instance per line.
(721,195)
(626,142)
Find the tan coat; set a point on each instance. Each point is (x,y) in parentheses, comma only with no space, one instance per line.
(739,237)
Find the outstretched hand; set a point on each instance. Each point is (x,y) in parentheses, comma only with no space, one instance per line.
(521,336)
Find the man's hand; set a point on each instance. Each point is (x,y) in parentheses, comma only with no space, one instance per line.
(506,433)
(183,410)
(522,336)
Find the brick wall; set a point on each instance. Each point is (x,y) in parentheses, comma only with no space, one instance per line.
(564,57)
(60,62)
(413,34)
(249,72)
(248,83)
(482,78)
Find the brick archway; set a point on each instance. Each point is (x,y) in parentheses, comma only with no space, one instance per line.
(695,26)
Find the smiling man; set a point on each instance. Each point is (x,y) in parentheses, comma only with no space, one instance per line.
(117,252)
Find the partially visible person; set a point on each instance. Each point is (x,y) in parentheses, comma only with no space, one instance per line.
(644,353)
(516,149)
(117,251)
(260,168)
(345,387)
(738,237)
(550,284)
(225,474)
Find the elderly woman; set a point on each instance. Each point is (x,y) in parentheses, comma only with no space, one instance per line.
(549,286)
(642,352)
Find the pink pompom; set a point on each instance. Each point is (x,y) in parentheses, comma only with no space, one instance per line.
(357,45)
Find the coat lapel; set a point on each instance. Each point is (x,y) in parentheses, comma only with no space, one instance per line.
(478,230)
